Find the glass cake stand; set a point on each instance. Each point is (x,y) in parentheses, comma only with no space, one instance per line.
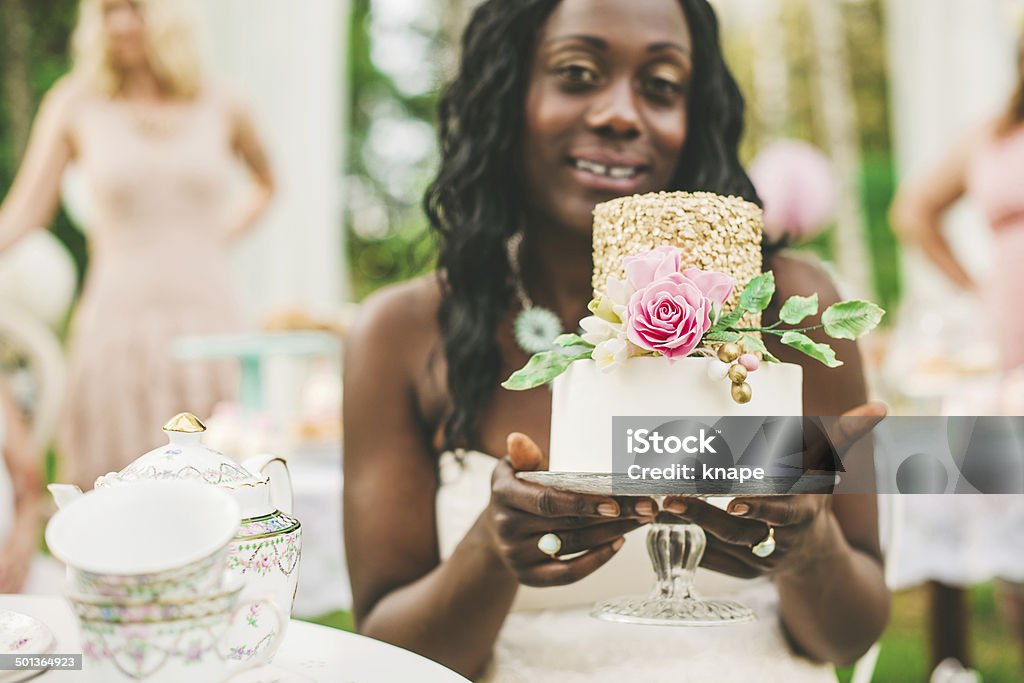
(675,547)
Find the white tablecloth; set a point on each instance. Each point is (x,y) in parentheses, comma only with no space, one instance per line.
(309,654)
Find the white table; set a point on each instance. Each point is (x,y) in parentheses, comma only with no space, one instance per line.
(309,654)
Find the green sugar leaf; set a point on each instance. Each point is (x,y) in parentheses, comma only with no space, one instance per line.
(851,319)
(729,319)
(721,337)
(797,308)
(542,368)
(822,353)
(567,340)
(752,344)
(758,294)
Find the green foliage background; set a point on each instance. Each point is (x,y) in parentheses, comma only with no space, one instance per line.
(407,249)
(48,24)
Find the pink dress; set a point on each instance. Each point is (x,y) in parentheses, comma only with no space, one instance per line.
(995,182)
(159,193)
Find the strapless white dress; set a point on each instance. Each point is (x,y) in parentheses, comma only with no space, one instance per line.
(550,637)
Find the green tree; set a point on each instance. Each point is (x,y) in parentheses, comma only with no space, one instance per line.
(399,246)
(33,55)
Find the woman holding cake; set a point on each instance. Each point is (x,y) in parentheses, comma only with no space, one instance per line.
(559,106)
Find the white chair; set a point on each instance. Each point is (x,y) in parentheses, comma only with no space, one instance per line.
(37,285)
(38,345)
(38,275)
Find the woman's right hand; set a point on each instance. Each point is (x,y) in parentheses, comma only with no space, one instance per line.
(521,512)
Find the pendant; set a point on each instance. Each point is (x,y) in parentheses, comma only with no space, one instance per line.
(536,329)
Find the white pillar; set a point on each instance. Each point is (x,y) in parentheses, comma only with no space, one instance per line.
(287,58)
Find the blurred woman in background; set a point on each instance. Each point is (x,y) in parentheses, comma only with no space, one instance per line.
(987,167)
(156,142)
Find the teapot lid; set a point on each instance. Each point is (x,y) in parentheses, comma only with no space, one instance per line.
(186,423)
(184,457)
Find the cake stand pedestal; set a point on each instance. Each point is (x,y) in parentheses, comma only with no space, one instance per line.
(675,547)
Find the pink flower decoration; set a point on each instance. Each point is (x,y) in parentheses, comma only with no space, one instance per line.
(643,269)
(669,316)
(798,187)
(714,285)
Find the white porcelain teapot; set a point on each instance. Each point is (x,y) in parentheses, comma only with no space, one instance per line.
(268,546)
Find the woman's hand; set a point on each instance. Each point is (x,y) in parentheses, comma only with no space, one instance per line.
(521,513)
(804,530)
(803,527)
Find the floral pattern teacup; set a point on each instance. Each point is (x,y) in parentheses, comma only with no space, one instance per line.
(186,640)
(193,580)
(153,540)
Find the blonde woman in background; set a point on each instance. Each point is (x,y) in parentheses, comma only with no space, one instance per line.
(155,141)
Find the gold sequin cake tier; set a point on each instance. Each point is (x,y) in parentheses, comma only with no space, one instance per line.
(714,233)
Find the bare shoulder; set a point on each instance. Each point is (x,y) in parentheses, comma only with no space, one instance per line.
(982,133)
(798,274)
(966,146)
(399,320)
(66,96)
(71,87)
(231,99)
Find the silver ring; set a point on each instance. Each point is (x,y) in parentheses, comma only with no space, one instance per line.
(549,544)
(766,547)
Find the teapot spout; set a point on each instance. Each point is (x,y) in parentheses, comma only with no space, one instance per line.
(64,493)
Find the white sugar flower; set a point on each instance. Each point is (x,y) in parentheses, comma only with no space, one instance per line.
(612,306)
(602,308)
(608,353)
(597,330)
(618,291)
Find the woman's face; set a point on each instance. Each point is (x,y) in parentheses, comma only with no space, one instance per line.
(125,27)
(606,105)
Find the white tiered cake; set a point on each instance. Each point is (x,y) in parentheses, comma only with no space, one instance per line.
(714,233)
(585,400)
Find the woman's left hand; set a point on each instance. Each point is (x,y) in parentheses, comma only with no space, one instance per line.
(802,526)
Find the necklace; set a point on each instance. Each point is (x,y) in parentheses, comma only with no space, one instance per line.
(535,327)
(158,121)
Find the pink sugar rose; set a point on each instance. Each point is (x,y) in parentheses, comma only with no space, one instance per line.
(643,269)
(714,285)
(669,316)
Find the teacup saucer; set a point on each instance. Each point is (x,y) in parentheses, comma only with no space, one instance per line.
(21,634)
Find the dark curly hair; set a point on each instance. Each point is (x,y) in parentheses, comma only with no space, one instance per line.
(474,206)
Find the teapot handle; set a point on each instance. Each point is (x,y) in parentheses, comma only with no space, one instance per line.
(276,468)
